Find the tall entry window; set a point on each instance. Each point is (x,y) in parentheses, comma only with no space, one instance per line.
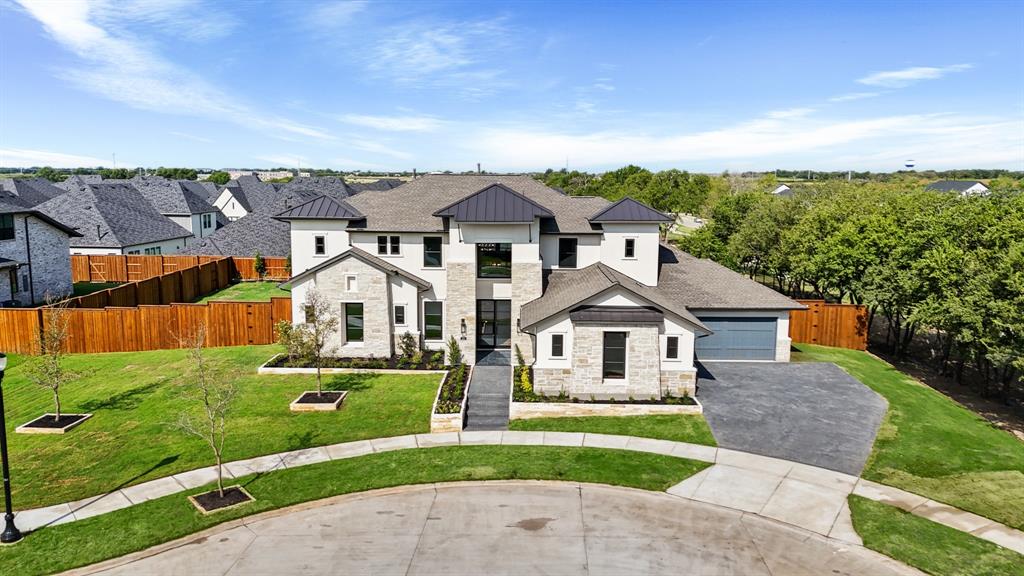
(493,260)
(493,323)
(614,365)
(567,252)
(432,252)
(353,322)
(433,316)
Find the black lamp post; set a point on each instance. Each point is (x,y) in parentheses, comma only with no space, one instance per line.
(11,533)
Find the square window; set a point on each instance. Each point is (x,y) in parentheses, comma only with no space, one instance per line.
(493,260)
(433,316)
(400,314)
(396,245)
(672,347)
(614,355)
(319,245)
(567,252)
(351,283)
(432,252)
(353,322)
(382,244)
(558,346)
(630,247)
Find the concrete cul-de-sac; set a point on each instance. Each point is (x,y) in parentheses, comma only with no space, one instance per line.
(814,413)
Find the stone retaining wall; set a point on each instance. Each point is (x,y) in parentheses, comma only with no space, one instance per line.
(527,410)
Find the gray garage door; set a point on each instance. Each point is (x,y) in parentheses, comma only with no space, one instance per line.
(737,339)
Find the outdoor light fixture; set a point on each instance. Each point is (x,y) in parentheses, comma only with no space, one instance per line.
(462,328)
(11,533)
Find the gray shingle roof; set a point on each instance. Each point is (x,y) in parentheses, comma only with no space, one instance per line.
(685,284)
(629,210)
(10,204)
(29,191)
(368,258)
(410,207)
(376,185)
(177,197)
(251,192)
(321,208)
(78,180)
(333,186)
(495,203)
(952,185)
(111,216)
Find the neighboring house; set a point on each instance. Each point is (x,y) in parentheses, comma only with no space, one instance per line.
(961,187)
(376,185)
(783,190)
(243,195)
(29,192)
(180,201)
(76,181)
(115,219)
(34,258)
(580,285)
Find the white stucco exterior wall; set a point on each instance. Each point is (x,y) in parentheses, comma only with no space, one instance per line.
(303,235)
(644,266)
(229,206)
(588,249)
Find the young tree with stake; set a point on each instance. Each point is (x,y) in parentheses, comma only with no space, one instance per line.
(47,370)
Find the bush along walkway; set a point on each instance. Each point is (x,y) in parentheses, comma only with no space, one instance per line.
(808,497)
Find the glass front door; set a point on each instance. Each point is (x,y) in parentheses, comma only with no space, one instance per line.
(493,323)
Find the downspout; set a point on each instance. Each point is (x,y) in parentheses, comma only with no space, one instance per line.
(28,254)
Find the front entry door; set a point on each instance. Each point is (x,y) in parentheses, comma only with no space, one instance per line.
(493,323)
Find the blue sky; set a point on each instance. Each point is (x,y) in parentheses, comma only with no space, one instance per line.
(514,86)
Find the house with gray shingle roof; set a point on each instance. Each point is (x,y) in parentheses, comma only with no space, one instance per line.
(183,202)
(961,187)
(241,196)
(115,218)
(581,286)
(34,258)
(29,191)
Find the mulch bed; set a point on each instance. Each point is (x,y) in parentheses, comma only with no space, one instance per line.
(313,398)
(48,422)
(393,363)
(212,501)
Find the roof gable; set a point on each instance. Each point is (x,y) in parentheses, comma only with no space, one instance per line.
(321,208)
(954,185)
(495,203)
(368,258)
(629,210)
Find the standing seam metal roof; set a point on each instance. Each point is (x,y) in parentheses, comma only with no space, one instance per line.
(495,203)
(629,210)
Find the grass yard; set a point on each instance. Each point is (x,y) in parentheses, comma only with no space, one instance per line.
(691,428)
(84,288)
(248,292)
(930,445)
(134,398)
(927,545)
(66,546)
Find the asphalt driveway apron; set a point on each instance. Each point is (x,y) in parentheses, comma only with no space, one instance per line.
(813,413)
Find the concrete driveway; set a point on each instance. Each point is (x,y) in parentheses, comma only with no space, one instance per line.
(514,528)
(813,413)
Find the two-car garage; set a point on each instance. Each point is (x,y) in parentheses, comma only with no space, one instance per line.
(738,337)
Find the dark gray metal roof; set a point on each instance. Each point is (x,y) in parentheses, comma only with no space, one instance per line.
(495,203)
(629,210)
(617,315)
(322,208)
(952,185)
(378,263)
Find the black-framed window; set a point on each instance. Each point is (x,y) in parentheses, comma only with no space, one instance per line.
(319,245)
(353,322)
(432,252)
(6,226)
(382,244)
(493,260)
(630,248)
(567,252)
(558,345)
(400,314)
(433,318)
(672,347)
(207,220)
(614,355)
(396,245)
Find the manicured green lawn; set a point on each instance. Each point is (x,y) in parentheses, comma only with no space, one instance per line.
(676,427)
(927,545)
(248,292)
(930,445)
(134,398)
(83,288)
(110,535)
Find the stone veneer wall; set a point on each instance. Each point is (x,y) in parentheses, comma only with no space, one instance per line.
(460,304)
(679,382)
(373,290)
(643,366)
(527,285)
(51,261)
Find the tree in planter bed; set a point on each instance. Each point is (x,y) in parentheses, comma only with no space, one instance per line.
(215,393)
(47,370)
(311,342)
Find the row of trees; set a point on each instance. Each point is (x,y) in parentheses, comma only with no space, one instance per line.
(668,190)
(929,262)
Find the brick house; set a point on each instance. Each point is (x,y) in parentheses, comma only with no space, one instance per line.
(582,286)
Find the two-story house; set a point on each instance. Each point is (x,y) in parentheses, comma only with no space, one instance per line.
(34,257)
(582,286)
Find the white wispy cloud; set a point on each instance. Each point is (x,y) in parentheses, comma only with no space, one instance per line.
(327,17)
(121,67)
(190,19)
(604,84)
(378,148)
(408,123)
(789,113)
(24,158)
(854,96)
(192,137)
(908,76)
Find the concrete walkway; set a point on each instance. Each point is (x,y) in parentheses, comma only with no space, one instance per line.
(804,496)
(506,528)
(487,405)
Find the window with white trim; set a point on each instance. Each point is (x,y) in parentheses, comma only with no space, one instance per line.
(319,245)
(433,320)
(672,347)
(630,248)
(399,314)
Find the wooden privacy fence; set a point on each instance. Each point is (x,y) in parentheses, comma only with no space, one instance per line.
(123,268)
(134,329)
(184,285)
(841,325)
